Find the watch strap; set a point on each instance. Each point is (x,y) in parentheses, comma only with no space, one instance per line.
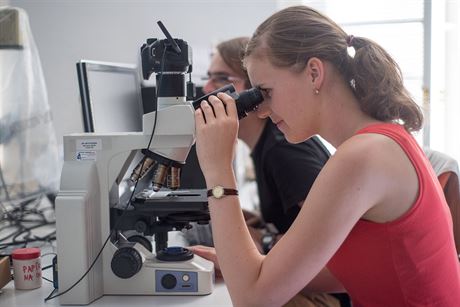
(226,191)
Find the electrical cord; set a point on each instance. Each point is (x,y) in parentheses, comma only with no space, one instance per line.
(47,279)
(46,268)
(51,296)
(19,223)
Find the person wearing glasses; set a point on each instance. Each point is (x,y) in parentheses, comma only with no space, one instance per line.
(284,172)
(376,221)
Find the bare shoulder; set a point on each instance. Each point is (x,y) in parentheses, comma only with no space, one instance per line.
(367,148)
(377,164)
(374,153)
(361,156)
(369,164)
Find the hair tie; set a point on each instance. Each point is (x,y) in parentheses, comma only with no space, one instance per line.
(350,40)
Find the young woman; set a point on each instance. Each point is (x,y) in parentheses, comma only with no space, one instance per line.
(284,172)
(282,185)
(375,221)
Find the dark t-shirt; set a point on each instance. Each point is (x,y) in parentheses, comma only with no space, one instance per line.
(285,173)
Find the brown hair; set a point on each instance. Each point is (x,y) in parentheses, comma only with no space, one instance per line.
(290,37)
(232,52)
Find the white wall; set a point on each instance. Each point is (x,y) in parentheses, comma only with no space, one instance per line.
(66,31)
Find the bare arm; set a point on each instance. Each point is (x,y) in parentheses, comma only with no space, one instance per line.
(324,282)
(322,225)
(295,260)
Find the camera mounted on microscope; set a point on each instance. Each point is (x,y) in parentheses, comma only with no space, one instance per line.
(171,59)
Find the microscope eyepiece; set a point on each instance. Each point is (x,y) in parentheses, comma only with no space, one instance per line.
(246,101)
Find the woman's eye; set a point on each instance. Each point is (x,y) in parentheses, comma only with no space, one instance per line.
(266,93)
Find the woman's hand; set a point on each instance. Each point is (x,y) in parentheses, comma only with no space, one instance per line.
(207,253)
(216,134)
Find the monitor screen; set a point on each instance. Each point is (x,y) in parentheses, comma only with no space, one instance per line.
(110,97)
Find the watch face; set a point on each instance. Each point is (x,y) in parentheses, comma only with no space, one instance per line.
(218,191)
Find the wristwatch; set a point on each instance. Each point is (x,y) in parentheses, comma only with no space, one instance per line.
(219,192)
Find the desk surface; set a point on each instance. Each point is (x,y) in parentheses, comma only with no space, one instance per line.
(12,297)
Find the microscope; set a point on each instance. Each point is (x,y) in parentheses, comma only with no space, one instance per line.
(95,255)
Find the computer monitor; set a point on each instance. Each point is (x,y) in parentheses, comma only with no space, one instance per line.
(110,96)
(111,101)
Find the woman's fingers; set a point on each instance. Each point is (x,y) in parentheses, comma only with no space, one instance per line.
(216,134)
(207,111)
(218,107)
(205,252)
(199,117)
(208,253)
(230,104)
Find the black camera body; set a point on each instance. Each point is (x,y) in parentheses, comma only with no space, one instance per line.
(174,62)
(171,59)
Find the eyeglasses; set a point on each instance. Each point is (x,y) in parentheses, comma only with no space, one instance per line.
(220,79)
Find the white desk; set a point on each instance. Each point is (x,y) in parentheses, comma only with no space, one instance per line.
(12,297)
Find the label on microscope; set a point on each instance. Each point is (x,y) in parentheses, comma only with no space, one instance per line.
(89,144)
(86,156)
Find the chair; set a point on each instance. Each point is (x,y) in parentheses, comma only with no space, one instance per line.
(447,170)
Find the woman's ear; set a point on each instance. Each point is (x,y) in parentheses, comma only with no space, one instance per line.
(315,72)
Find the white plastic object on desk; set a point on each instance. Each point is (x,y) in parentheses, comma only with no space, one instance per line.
(27,270)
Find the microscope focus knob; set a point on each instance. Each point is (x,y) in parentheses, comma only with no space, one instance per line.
(168,281)
(126,262)
(140,226)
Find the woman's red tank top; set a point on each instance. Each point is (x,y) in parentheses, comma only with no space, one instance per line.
(410,261)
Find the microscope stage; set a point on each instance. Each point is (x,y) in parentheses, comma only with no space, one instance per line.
(172,201)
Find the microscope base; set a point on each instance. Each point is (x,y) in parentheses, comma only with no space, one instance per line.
(191,277)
